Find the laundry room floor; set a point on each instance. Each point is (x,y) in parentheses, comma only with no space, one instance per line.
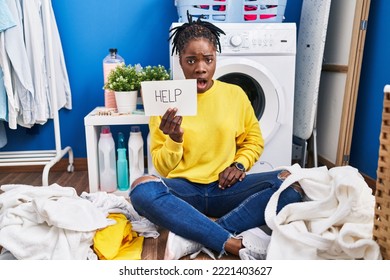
(153,249)
(77,179)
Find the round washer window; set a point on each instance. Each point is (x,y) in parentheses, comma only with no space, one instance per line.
(251,87)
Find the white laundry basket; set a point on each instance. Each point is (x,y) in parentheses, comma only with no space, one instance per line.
(232,10)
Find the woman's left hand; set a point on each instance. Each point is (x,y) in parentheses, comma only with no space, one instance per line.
(171,125)
(230,176)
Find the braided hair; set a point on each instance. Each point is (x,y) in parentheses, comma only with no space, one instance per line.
(193,30)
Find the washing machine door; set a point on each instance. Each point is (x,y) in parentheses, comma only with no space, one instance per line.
(262,88)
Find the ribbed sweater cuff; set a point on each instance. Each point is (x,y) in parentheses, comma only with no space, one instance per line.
(173,146)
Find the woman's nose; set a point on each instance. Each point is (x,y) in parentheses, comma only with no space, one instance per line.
(201,67)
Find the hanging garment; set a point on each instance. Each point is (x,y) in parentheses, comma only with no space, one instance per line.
(12,110)
(19,72)
(34,69)
(3,98)
(3,110)
(51,34)
(3,136)
(35,44)
(6,21)
(334,222)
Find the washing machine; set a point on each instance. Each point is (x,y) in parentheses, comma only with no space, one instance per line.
(260,57)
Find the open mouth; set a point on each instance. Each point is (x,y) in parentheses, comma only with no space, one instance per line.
(201,84)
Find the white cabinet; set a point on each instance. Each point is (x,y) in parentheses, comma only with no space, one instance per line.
(93,123)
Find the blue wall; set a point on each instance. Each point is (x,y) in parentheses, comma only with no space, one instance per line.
(88,28)
(375,75)
(139,29)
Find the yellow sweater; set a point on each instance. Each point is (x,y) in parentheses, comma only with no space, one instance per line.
(224,130)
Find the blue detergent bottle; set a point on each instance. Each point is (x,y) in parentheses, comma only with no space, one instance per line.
(122,164)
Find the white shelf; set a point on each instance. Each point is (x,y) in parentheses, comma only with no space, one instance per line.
(94,119)
(92,123)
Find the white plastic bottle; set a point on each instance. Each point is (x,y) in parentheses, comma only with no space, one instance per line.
(112,60)
(136,154)
(151,169)
(107,161)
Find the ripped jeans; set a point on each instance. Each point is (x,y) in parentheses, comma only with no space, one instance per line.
(183,207)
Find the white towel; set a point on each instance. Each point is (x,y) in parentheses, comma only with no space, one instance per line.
(335,221)
(16,194)
(42,223)
(71,213)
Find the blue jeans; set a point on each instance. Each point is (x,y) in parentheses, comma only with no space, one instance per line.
(184,207)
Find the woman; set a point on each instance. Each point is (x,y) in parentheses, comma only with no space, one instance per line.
(203,160)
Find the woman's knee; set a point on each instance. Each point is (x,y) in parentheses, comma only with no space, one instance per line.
(142,190)
(143,179)
(289,195)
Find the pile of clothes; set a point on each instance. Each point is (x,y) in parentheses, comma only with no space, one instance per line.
(54,223)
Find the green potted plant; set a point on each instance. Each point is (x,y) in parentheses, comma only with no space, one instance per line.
(125,81)
(154,73)
(124,78)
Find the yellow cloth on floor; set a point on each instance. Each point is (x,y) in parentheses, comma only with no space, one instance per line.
(118,241)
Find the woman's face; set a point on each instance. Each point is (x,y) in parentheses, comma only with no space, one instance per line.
(198,61)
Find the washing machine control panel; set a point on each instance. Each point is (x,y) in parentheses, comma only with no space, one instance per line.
(236,40)
(258,41)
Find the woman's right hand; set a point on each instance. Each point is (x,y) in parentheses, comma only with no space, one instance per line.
(171,125)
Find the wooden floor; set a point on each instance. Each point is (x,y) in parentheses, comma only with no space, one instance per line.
(153,249)
(77,180)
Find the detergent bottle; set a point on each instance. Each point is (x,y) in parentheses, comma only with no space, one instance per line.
(122,165)
(107,170)
(136,153)
(112,60)
(151,169)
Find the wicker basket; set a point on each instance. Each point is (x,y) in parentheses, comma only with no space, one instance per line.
(382,193)
(232,10)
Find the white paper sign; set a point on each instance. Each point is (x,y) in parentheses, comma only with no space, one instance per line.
(158,96)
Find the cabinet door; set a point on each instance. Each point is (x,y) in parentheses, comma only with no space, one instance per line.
(340,80)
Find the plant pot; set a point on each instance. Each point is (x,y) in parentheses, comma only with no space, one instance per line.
(126,101)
